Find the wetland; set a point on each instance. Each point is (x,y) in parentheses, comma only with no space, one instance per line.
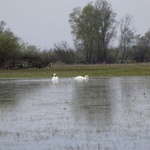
(103,113)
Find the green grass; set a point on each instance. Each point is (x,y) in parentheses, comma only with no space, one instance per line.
(140,69)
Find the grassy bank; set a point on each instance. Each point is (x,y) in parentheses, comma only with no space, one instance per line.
(141,69)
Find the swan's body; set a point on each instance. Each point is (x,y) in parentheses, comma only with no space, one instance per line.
(81,78)
(55,78)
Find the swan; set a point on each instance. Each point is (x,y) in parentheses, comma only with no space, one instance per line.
(55,78)
(81,78)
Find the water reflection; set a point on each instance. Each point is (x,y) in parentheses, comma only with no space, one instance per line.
(104,113)
(92,102)
(118,108)
(131,95)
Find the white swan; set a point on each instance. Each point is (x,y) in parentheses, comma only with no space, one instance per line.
(55,78)
(81,78)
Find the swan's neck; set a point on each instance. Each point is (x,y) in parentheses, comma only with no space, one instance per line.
(86,77)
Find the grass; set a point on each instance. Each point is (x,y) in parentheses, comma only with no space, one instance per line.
(139,69)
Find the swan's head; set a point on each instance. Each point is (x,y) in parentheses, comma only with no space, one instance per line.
(86,77)
(54,75)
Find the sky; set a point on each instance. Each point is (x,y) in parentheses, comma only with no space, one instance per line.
(45,22)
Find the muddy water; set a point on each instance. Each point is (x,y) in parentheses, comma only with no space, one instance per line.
(111,113)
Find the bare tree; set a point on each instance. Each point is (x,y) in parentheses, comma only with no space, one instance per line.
(126,36)
(64,53)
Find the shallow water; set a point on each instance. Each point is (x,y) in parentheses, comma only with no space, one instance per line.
(107,113)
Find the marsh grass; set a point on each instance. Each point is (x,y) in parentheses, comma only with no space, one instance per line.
(140,69)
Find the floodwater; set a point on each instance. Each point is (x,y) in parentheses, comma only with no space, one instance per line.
(106,113)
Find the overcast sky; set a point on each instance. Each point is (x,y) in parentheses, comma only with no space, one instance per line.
(45,22)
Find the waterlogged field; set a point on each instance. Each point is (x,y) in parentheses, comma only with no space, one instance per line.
(105,113)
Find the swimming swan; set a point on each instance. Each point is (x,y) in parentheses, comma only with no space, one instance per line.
(55,78)
(81,78)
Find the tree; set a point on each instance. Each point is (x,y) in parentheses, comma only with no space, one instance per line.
(126,36)
(47,57)
(107,26)
(84,28)
(64,53)
(31,56)
(2,24)
(93,28)
(9,47)
(142,48)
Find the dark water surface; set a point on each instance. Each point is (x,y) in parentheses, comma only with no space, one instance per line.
(107,113)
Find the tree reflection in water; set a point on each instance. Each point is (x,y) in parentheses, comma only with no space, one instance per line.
(93,103)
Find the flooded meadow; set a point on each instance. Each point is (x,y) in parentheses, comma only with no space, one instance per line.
(105,113)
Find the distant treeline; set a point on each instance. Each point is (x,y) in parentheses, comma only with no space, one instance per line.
(95,30)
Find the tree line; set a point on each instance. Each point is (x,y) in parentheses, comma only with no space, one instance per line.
(15,54)
(95,28)
(98,38)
